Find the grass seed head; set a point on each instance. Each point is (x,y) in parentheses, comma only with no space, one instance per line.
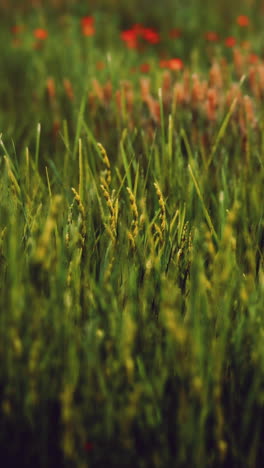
(82,226)
(134,211)
(106,162)
(162,215)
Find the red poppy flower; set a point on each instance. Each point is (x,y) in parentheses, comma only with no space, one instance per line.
(172,64)
(87,21)
(130,38)
(145,67)
(87,24)
(150,35)
(41,34)
(175,33)
(128,35)
(243,21)
(211,36)
(230,41)
(175,64)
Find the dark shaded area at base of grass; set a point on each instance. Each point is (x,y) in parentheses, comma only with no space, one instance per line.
(37,443)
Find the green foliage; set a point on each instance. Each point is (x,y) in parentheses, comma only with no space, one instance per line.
(131,271)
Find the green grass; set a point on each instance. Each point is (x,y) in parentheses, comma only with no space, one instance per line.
(131,272)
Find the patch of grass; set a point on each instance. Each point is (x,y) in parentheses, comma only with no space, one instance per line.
(131,254)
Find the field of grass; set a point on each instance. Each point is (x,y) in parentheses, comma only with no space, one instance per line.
(132,234)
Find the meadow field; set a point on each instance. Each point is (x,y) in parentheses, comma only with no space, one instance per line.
(132,234)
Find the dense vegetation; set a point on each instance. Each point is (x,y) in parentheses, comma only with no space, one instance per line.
(131,235)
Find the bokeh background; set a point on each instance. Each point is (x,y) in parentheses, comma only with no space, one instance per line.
(191,12)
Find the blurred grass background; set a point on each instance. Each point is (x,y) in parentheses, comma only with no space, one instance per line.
(189,12)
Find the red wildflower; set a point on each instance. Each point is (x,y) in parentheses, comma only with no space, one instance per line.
(87,24)
(130,38)
(211,36)
(87,21)
(175,64)
(230,41)
(145,67)
(40,34)
(150,35)
(175,33)
(243,21)
(172,64)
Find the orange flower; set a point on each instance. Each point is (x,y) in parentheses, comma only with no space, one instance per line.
(243,21)
(40,34)
(175,64)
(87,24)
(230,41)
(172,64)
